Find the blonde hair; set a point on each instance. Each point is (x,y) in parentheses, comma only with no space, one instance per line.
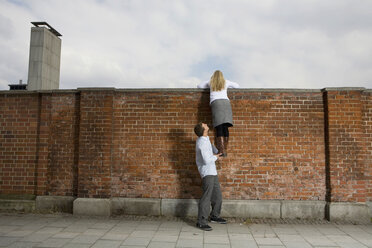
(217,82)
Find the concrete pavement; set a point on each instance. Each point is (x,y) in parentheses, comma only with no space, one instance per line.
(63,230)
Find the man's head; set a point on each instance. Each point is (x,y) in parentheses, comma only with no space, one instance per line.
(201,129)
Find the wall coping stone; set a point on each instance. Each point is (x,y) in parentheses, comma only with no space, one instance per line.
(344,89)
(207,90)
(31,92)
(183,90)
(96,89)
(18,92)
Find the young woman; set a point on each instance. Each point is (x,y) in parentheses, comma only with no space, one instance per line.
(221,108)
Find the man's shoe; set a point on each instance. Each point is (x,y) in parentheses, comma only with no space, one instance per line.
(204,227)
(218,220)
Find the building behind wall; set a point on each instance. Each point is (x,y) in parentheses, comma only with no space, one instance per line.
(19,86)
(45,57)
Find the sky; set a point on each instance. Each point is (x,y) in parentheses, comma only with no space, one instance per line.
(310,44)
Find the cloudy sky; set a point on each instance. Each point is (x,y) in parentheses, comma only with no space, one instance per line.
(179,43)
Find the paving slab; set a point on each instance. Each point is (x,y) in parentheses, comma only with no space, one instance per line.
(243,244)
(136,241)
(23,245)
(65,235)
(155,244)
(166,236)
(5,241)
(132,246)
(114,236)
(216,246)
(268,241)
(271,246)
(192,235)
(36,237)
(85,239)
(95,232)
(73,245)
(106,244)
(53,242)
(19,233)
(49,230)
(217,239)
(240,237)
(320,241)
(4,229)
(296,244)
(190,243)
(290,237)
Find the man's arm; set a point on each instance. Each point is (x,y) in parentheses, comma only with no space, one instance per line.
(215,150)
(206,153)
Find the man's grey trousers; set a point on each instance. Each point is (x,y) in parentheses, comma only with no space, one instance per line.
(212,196)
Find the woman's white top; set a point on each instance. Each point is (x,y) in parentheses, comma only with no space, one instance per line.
(222,94)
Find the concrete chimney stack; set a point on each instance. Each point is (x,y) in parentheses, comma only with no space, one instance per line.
(45,57)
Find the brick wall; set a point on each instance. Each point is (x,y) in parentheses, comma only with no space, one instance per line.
(278,146)
(285,144)
(18,143)
(367,133)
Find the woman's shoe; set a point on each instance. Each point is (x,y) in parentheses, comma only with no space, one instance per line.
(226,143)
(220,145)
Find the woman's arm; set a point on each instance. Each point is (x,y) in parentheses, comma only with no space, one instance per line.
(230,84)
(203,85)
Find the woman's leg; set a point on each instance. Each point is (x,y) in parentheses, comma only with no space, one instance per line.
(220,130)
(225,130)
(220,138)
(226,136)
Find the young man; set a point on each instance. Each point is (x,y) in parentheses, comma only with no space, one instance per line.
(205,160)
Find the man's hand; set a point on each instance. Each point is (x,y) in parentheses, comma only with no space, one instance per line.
(219,156)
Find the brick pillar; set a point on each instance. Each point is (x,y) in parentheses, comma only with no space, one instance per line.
(62,157)
(42,149)
(346,145)
(367,122)
(95,143)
